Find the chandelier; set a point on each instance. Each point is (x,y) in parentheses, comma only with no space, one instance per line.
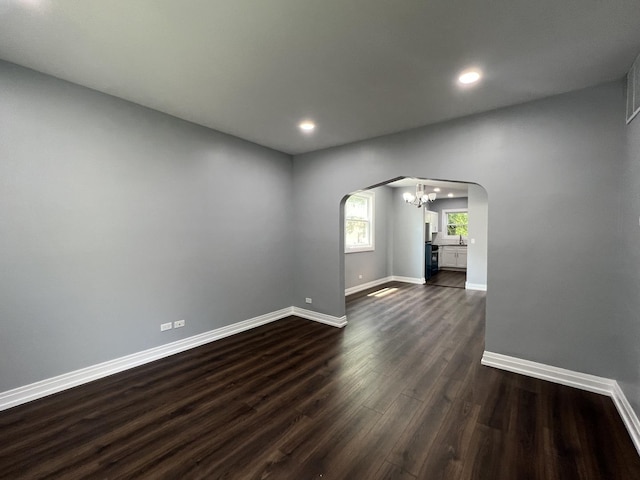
(420,198)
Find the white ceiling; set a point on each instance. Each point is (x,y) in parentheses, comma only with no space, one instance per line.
(358,68)
(458,189)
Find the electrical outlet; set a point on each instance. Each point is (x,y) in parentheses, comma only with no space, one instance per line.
(308,300)
(360,277)
(165,326)
(178,324)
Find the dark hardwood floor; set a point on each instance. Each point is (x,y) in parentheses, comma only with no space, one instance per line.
(398,394)
(449,278)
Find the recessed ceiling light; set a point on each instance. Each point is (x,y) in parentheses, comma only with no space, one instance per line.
(469,77)
(450,195)
(436,189)
(307,126)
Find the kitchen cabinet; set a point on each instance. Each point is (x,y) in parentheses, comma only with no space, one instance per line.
(432,219)
(462,258)
(453,256)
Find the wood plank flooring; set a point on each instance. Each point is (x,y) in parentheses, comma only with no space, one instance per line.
(449,278)
(398,394)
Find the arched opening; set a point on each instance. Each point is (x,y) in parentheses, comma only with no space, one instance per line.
(390,234)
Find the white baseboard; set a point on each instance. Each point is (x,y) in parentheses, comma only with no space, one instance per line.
(417,281)
(365,286)
(380,281)
(338,322)
(628,415)
(475,286)
(49,386)
(583,381)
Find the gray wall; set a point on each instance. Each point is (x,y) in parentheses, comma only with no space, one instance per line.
(551,299)
(478,235)
(408,237)
(372,265)
(115,218)
(628,266)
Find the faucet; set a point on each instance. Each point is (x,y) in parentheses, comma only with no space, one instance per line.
(461,240)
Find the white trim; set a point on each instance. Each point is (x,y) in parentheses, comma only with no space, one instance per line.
(583,381)
(366,248)
(380,281)
(631,83)
(338,322)
(365,286)
(42,388)
(445,224)
(417,281)
(628,415)
(371,212)
(482,287)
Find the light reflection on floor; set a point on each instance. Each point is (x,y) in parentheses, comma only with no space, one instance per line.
(382,293)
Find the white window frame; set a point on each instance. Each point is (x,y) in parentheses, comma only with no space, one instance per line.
(370,247)
(445,222)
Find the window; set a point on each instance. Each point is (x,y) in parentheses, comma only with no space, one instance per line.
(455,222)
(358,223)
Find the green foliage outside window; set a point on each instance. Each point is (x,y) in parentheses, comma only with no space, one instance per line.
(458,223)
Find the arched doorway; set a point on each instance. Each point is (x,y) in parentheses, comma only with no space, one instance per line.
(390,243)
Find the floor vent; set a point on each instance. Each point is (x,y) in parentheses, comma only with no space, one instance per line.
(633,90)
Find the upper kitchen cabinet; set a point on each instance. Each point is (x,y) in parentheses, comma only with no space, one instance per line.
(432,219)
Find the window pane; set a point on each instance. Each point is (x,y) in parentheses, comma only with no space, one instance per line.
(356,233)
(358,222)
(357,207)
(458,218)
(458,230)
(457,224)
